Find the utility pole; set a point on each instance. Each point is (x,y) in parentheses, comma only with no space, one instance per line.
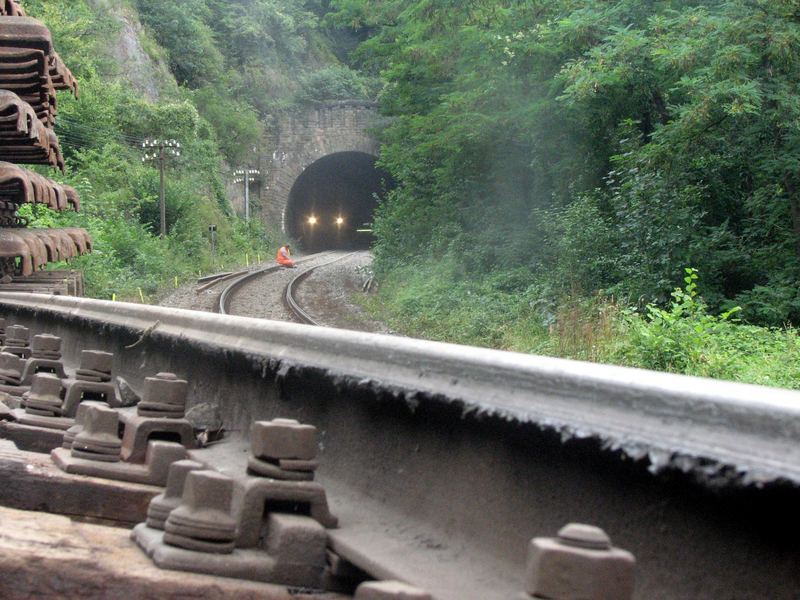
(246,176)
(158,150)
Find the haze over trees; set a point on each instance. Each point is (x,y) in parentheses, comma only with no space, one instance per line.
(547,151)
(595,145)
(562,166)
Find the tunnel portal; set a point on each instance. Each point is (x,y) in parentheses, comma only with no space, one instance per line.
(331,203)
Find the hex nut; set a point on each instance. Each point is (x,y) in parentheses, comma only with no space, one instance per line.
(46,387)
(580,563)
(165,388)
(46,343)
(390,590)
(17,333)
(11,363)
(283,438)
(206,500)
(100,428)
(95,360)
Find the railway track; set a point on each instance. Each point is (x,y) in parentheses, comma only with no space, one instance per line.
(290,294)
(243,278)
(441,462)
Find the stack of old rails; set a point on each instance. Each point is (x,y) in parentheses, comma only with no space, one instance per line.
(25,38)
(11,8)
(28,41)
(23,137)
(31,74)
(30,249)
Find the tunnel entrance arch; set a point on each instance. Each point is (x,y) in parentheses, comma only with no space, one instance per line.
(332,202)
(326,143)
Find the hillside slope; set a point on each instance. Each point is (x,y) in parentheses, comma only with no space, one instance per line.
(203,72)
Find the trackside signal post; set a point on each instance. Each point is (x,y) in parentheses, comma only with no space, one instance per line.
(212,232)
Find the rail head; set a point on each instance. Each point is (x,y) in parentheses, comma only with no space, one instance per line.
(720,432)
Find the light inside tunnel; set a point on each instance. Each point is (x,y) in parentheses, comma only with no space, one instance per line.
(331,203)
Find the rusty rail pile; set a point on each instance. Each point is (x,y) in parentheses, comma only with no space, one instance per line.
(11,8)
(31,74)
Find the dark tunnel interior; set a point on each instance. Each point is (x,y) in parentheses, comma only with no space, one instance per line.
(332,202)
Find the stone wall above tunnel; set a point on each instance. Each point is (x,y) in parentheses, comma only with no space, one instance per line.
(302,139)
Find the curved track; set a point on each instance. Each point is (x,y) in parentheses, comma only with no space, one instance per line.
(245,278)
(290,298)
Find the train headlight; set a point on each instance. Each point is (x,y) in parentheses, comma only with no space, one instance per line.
(312,220)
(339,221)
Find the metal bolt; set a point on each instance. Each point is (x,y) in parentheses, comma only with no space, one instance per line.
(579,563)
(579,535)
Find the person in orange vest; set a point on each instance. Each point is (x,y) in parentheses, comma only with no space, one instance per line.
(283,257)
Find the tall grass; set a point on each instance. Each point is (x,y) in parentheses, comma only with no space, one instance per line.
(433,302)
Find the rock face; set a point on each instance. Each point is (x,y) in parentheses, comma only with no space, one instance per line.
(147,74)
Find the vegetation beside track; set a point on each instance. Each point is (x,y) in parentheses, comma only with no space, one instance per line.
(215,72)
(434,301)
(558,162)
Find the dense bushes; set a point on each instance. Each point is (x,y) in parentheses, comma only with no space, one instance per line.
(267,54)
(337,82)
(435,301)
(601,146)
(588,152)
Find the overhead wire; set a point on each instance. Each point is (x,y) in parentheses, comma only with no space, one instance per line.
(86,129)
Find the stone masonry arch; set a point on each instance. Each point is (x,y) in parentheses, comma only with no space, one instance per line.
(300,141)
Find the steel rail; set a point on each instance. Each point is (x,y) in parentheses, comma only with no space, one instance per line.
(291,288)
(442,461)
(219,278)
(230,291)
(213,276)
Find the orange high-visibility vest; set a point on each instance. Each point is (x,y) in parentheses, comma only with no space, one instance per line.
(283,256)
